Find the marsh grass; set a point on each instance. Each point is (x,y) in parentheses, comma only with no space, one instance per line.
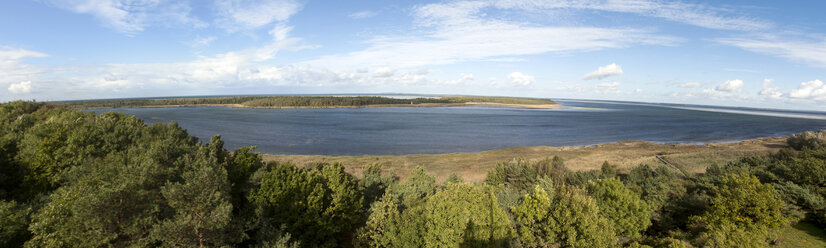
(473,167)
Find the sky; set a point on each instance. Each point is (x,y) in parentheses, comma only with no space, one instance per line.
(768,54)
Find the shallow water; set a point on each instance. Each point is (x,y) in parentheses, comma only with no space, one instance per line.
(404,130)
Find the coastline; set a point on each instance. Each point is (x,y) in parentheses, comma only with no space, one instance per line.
(688,157)
(420,105)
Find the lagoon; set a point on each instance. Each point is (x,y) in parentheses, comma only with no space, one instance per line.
(411,130)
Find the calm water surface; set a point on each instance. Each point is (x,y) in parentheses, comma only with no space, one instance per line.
(383,131)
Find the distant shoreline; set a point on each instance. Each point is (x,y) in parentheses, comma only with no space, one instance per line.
(310,102)
(420,105)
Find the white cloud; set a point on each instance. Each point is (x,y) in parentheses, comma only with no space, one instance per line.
(604,71)
(12,69)
(251,14)
(132,16)
(21,88)
(521,80)
(769,91)
(362,14)
(610,85)
(241,68)
(811,51)
(384,72)
(731,86)
(463,31)
(464,78)
(814,90)
(691,85)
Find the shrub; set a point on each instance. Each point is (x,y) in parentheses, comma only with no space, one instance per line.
(809,139)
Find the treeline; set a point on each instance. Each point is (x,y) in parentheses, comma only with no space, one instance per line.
(75,179)
(296,101)
(122,103)
(334,101)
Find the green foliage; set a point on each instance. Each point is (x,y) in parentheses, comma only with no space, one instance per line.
(373,184)
(244,163)
(729,235)
(743,201)
(418,186)
(508,197)
(522,174)
(655,185)
(582,178)
(465,216)
(13,224)
(518,173)
(111,202)
(669,243)
(453,178)
(316,206)
(201,202)
(607,170)
(569,219)
(630,214)
(460,216)
(383,224)
(806,170)
(794,194)
(740,211)
(535,227)
(15,118)
(756,166)
(808,140)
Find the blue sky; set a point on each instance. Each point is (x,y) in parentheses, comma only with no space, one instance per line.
(735,53)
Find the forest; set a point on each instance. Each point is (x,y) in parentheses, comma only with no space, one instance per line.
(297,101)
(69,178)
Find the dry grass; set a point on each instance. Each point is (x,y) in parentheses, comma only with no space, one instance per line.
(474,166)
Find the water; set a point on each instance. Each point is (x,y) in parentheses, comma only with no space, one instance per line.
(394,131)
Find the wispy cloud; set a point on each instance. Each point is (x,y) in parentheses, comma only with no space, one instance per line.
(610,85)
(132,16)
(811,51)
(688,13)
(238,15)
(741,70)
(363,14)
(462,31)
(690,85)
(201,41)
(604,71)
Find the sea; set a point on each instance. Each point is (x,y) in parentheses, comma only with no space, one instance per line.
(436,130)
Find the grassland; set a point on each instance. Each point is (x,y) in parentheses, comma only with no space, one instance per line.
(315,102)
(473,167)
(800,235)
